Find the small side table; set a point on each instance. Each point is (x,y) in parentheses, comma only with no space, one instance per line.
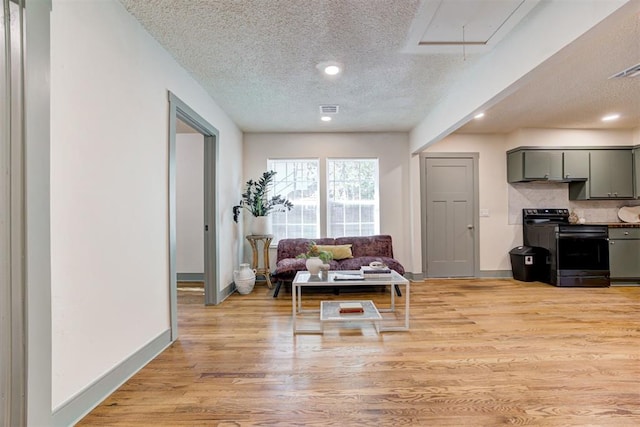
(264,269)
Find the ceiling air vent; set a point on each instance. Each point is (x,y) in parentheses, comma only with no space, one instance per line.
(329,109)
(629,72)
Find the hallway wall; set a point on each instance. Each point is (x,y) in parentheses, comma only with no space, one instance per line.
(109,188)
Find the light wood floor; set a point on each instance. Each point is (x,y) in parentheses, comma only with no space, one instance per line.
(479,353)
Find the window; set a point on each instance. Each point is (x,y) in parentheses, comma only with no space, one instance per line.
(297,180)
(352,200)
(352,197)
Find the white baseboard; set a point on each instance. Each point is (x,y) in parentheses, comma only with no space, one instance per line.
(73,410)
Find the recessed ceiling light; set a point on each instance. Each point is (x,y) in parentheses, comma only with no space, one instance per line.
(611,117)
(325,118)
(478,116)
(331,70)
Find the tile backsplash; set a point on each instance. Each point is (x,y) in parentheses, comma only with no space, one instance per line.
(556,195)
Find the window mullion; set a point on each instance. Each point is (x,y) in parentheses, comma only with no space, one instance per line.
(324,190)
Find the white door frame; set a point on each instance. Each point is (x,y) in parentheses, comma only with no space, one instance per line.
(476,205)
(179,110)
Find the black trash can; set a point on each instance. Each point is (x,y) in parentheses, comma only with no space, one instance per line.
(528,263)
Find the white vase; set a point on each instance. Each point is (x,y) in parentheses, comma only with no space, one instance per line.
(260,225)
(313,265)
(245,279)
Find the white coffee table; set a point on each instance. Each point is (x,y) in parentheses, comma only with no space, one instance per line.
(390,317)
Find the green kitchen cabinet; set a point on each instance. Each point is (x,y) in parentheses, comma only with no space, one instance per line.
(575,165)
(636,172)
(624,254)
(547,165)
(534,165)
(611,174)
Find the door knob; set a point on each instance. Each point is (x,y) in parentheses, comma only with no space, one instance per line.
(470,226)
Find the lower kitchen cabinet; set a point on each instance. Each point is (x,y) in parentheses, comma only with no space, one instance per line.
(624,254)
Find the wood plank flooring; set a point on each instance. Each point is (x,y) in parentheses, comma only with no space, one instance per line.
(479,353)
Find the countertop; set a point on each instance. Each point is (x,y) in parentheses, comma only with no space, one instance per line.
(617,224)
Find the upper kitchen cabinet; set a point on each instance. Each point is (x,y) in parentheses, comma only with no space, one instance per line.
(547,165)
(575,165)
(534,165)
(611,174)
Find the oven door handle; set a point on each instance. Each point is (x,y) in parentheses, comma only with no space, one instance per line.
(590,236)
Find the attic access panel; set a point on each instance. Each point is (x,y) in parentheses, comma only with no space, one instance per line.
(446,26)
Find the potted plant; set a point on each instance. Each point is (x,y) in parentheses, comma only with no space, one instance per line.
(257,202)
(315,258)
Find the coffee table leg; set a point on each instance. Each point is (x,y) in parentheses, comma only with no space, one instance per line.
(406,305)
(393,297)
(293,306)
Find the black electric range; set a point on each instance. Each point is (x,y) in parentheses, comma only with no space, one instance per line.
(578,254)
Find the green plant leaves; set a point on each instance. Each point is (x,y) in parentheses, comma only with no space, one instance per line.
(255,198)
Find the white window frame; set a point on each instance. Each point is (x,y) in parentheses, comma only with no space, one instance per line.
(271,165)
(375,201)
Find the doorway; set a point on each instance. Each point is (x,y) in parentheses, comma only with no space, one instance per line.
(190,210)
(178,110)
(449,186)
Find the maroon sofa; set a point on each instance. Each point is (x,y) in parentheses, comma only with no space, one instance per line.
(365,249)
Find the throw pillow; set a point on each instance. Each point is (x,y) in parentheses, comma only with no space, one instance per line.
(339,251)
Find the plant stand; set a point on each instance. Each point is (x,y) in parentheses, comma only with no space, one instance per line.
(261,270)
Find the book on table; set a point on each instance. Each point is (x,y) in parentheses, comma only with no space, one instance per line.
(347,276)
(351,307)
(375,272)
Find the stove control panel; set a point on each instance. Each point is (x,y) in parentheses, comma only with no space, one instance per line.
(546,212)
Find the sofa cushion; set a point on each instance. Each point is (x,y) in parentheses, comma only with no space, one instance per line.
(338,251)
(368,245)
(291,248)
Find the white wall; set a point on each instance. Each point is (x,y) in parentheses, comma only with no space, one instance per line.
(109,197)
(189,203)
(492,177)
(568,138)
(392,150)
(497,236)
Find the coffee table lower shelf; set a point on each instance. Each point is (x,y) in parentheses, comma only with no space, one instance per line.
(330,312)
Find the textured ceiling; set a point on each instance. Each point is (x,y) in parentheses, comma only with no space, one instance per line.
(258,59)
